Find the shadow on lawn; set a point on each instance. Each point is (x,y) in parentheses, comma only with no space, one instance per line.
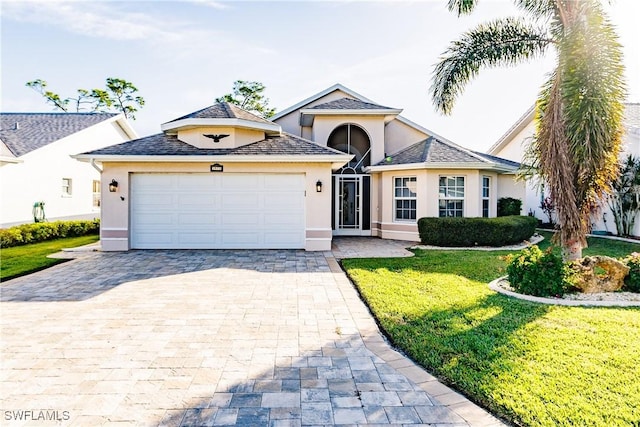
(470,348)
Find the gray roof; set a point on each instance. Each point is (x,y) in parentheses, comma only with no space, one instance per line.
(349,104)
(169,145)
(432,150)
(222,110)
(26,132)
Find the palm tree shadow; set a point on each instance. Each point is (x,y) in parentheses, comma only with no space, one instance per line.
(473,347)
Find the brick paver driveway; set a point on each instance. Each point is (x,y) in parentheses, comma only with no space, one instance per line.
(260,338)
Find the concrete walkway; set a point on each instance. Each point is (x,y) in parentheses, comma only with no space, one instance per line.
(199,338)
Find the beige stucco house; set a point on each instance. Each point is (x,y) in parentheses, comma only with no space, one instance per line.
(335,163)
(512,146)
(35,163)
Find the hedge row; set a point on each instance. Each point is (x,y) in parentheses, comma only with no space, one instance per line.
(467,232)
(41,231)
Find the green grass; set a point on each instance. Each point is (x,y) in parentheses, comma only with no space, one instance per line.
(20,260)
(533,364)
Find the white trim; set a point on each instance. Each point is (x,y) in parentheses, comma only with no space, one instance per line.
(413,233)
(319,95)
(124,124)
(114,228)
(439,165)
(336,159)
(9,159)
(114,238)
(270,128)
(520,124)
(358,112)
(398,223)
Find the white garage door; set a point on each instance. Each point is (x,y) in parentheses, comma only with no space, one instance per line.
(217,211)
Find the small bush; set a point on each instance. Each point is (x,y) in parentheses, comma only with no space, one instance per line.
(460,232)
(632,281)
(508,206)
(537,273)
(41,231)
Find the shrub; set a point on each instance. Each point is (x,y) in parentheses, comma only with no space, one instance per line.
(508,206)
(459,232)
(632,281)
(41,231)
(537,273)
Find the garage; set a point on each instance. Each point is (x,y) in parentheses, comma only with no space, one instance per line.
(217,211)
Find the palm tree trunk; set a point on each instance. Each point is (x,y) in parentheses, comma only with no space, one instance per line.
(556,168)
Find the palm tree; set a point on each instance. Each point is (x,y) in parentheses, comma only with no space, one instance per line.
(579,109)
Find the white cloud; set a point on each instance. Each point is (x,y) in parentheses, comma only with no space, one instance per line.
(210,3)
(93,19)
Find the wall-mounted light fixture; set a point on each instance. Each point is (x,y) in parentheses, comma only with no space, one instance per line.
(113,186)
(319,186)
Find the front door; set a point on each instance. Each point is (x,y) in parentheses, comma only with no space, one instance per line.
(351,205)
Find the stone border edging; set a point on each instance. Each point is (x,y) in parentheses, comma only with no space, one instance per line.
(559,301)
(535,239)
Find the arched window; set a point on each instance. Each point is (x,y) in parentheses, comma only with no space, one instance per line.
(352,139)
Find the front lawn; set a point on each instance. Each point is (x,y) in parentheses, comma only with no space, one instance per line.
(20,260)
(533,364)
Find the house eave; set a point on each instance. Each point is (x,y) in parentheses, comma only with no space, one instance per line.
(518,126)
(9,159)
(337,161)
(317,96)
(126,127)
(307,115)
(441,165)
(191,123)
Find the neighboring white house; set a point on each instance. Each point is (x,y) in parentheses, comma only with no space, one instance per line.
(336,163)
(36,163)
(513,143)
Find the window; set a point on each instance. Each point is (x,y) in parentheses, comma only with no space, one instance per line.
(66,187)
(404,194)
(486,183)
(451,196)
(96,193)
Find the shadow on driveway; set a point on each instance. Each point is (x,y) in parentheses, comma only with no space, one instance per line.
(94,273)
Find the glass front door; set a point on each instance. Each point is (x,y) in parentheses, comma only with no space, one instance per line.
(351,205)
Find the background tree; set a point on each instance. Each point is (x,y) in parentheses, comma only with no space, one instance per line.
(248,96)
(624,200)
(118,95)
(579,109)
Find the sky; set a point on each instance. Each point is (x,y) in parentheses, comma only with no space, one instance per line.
(181,55)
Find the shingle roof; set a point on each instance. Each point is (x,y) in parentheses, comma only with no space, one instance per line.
(35,130)
(500,160)
(432,150)
(222,110)
(349,104)
(169,145)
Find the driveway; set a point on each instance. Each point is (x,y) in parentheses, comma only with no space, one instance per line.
(255,338)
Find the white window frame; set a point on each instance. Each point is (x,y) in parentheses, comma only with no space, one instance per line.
(405,194)
(486,196)
(67,187)
(451,194)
